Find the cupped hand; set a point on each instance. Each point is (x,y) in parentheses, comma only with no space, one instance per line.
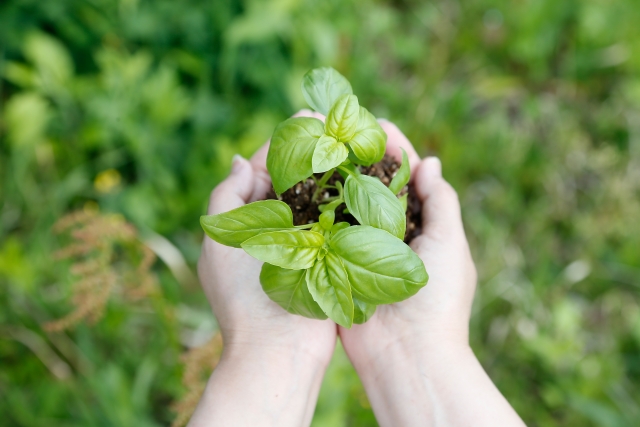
(437,317)
(248,319)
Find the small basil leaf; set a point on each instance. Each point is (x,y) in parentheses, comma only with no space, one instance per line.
(288,288)
(402,176)
(403,201)
(234,227)
(329,285)
(339,226)
(342,120)
(362,311)
(290,249)
(369,141)
(328,154)
(381,268)
(372,203)
(327,218)
(290,155)
(321,87)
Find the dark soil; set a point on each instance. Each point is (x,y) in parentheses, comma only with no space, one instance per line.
(305,211)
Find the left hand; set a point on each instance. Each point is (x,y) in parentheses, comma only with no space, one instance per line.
(230,278)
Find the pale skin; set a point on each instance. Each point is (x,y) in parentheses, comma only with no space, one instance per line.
(413,357)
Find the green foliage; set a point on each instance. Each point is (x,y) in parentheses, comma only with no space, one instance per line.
(369,141)
(402,176)
(289,289)
(292,150)
(234,227)
(138,107)
(295,249)
(381,268)
(371,203)
(321,88)
(329,285)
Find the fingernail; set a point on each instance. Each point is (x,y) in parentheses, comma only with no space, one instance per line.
(433,166)
(237,163)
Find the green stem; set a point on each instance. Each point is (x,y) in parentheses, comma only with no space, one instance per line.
(320,185)
(303,227)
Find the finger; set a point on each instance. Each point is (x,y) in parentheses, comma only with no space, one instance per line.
(309,113)
(440,205)
(397,140)
(235,191)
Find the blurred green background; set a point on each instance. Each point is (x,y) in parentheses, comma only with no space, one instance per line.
(137,107)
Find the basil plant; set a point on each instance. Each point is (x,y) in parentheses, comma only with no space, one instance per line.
(328,269)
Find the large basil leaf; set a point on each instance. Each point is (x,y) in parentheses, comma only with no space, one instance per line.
(291,151)
(342,120)
(292,249)
(372,203)
(369,141)
(329,285)
(321,87)
(381,268)
(362,311)
(328,154)
(234,227)
(288,288)
(402,176)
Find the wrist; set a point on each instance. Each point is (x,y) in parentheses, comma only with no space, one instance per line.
(293,344)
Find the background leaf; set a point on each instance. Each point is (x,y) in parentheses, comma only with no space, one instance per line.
(329,286)
(288,288)
(294,250)
(372,203)
(290,155)
(234,227)
(381,268)
(321,88)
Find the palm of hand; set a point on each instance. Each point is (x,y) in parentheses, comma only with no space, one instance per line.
(231,280)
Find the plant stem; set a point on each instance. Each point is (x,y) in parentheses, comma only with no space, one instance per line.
(320,185)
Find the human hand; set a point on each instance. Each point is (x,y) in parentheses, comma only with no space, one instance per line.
(273,362)
(438,315)
(413,357)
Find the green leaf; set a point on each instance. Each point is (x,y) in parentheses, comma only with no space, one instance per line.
(288,288)
(342,120)
(372,203)
(339,226)
(328,154)
(369,141)
(290,155)
(329,285)
(321,87)
(362,311)
(381,268)
(403,201)
(402,176)
(327,218)
(234,227)
(292,249)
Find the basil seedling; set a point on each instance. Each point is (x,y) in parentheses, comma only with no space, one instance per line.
(327,269)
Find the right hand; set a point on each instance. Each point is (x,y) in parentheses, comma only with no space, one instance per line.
(437,317)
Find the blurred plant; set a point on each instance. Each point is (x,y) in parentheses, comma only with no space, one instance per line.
(198,362)
(107,257)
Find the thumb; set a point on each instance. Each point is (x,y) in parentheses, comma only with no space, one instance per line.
(441,217)
(234,191)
